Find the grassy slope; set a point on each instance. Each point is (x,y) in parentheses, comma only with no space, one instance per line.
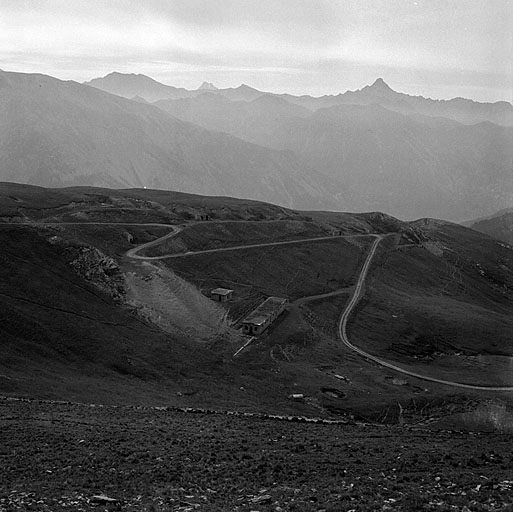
(62,338)
(288,271)
(203,236)
(28,202)
(76,354)
(422,307)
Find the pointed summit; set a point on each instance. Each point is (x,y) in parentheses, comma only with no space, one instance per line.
(244,87)
(207,86)
(380,84)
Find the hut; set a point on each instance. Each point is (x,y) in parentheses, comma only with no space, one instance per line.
(221,294)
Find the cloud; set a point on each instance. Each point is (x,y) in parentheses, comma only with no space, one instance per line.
(261,38)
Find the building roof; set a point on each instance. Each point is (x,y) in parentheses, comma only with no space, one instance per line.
(221,291)
(270,306)
(255,320)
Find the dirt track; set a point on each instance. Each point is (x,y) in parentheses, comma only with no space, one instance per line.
(342,332)
(342,326)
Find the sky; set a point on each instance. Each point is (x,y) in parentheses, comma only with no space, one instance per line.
(436,48)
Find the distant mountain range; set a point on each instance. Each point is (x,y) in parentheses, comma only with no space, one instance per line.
(207,86)
(379,149)
(460,109)
(130,85)
(55,133)
(376,158)
(499,225)
(373,149)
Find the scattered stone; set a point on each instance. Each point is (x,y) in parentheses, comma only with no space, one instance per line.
(262,500)
(100,498)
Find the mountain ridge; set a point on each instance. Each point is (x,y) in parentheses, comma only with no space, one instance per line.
(416,159)
(466,111)
(498,225)
(57,133)
(347,156)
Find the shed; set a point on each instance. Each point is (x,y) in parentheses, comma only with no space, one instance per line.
(221,294)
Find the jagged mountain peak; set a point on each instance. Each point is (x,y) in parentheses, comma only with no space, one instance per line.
(379,85)
(123,75)
(207,86)
(244,87)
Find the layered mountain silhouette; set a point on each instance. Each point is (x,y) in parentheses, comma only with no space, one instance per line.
(207,86)
(380,93)
(130,85)
(460,109)
(252,120)
(56,133)
(498,225)
(364,150)
(410,165)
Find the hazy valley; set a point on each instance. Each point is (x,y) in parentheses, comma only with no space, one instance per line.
(358,151)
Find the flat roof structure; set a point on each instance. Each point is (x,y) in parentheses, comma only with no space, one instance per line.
(257,320)
(221,291)
(269,309)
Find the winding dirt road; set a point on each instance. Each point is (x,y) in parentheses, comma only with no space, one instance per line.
(133,253)
(342,326)
(342,332)
(355,298)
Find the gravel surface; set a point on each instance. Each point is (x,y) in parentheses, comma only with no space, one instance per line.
(58,456)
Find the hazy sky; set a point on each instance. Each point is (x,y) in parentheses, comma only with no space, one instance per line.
(438,48)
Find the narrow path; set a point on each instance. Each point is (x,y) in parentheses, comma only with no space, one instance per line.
(342,332)
(334,293)
(35,223)
(133,253)
(342,326)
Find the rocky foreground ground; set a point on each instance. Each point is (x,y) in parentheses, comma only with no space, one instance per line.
(58,456)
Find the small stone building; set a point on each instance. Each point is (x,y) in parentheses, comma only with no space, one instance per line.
(221,294)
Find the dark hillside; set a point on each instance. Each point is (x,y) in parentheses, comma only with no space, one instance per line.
(206,236)
(290,271)
(19,202)
(446,304)
(83,321)
(61,337)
